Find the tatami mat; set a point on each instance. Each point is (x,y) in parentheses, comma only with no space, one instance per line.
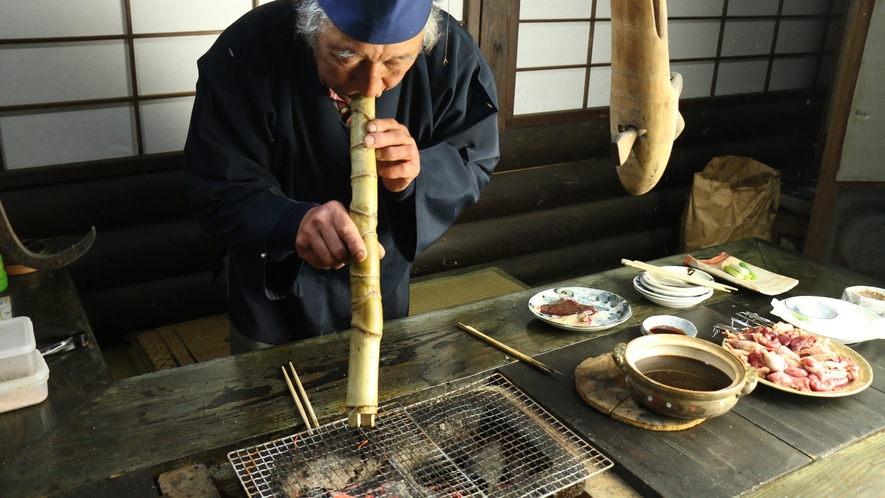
(444,292)
(183,343)
(208,338)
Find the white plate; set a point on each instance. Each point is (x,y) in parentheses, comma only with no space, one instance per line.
(663,280)
(611,308)
(852,324)
(768,283)
(673,291)
(668,301)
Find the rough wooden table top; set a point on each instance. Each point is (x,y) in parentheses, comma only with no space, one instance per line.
(195,414)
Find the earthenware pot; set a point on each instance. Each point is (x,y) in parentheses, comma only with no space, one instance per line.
(683,377)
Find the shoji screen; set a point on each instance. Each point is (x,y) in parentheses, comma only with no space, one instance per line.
(86,80)
(721,47)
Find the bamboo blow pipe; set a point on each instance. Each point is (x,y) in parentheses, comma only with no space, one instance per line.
(644,103)
(365,276)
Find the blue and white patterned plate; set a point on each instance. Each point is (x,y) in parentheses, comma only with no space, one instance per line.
(611,308)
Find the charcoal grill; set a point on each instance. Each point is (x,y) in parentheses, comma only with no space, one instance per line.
(485,439)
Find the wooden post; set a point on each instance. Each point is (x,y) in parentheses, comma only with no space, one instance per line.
(856,27)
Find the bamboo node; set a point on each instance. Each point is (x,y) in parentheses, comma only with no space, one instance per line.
(366,174)
(363,212)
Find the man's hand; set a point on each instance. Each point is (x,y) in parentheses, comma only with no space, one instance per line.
(396,153)
(327,237)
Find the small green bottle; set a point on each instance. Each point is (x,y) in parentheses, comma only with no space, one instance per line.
(4,280)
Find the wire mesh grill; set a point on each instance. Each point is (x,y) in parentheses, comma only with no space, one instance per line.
(486,439)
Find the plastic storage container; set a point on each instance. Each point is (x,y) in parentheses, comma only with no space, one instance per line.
(23,371)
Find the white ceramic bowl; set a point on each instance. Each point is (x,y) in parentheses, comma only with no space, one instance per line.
(852,295)
(807,308)
(669,301)
(669,290)
(670,286)
(670,322)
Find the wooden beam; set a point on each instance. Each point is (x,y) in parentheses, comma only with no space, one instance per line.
(857,26)
(499,25)
(473,19)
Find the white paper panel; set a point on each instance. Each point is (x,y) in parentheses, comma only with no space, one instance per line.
(800,36)
(66,136)
(747,37)
(835,31)
(694,8)
(552,44)
(603,9)
(840,6)
(164,124)
(697,78)
(53,18)
(166,65)
(545,91)
(453,7)
(602,43)
(864,146)
(165,16)
(555,9)
(827,72)
(792,72)
(693,39)
(69,71)
(599,92)
(807,7)
(752,7)
(741,77)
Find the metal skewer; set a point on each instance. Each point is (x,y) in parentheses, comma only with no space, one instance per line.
(507,349)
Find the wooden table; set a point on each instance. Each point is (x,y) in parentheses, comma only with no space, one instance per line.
(49,299)
(771,444)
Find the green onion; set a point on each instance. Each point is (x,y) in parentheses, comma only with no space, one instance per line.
(734,272)
(750,274)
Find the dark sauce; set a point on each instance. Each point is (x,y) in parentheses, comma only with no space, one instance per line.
(684,373)
(666,329)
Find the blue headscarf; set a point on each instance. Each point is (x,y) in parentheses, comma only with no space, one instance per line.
(380,22)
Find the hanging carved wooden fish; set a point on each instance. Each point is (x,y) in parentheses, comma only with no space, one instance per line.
(645,115)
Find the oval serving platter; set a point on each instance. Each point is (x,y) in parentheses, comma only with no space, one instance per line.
(611,309)
(863,380)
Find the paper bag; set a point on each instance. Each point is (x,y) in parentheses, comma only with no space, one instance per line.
(731,199)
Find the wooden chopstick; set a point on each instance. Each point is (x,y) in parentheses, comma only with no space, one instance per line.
(301,390)
(507,349)
(296,398)
(681,276)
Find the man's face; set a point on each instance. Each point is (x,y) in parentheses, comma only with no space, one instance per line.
(352,67)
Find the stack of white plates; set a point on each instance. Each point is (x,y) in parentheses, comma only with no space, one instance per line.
(672,292)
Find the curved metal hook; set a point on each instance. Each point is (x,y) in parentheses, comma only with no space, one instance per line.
(13,249)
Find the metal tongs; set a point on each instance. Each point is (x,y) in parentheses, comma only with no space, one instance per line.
(745,319)
(74,340)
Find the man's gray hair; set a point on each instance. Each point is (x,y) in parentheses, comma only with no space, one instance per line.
(311,18)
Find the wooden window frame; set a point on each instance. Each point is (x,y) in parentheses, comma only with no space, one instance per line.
(500,22)
(134,99)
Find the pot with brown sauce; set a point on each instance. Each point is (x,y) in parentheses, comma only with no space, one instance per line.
(683,377)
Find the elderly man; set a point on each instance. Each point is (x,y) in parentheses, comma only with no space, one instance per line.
(267,156)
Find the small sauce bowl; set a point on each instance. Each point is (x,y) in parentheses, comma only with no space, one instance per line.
(668,324)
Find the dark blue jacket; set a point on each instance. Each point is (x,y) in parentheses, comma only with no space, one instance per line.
(265,145)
